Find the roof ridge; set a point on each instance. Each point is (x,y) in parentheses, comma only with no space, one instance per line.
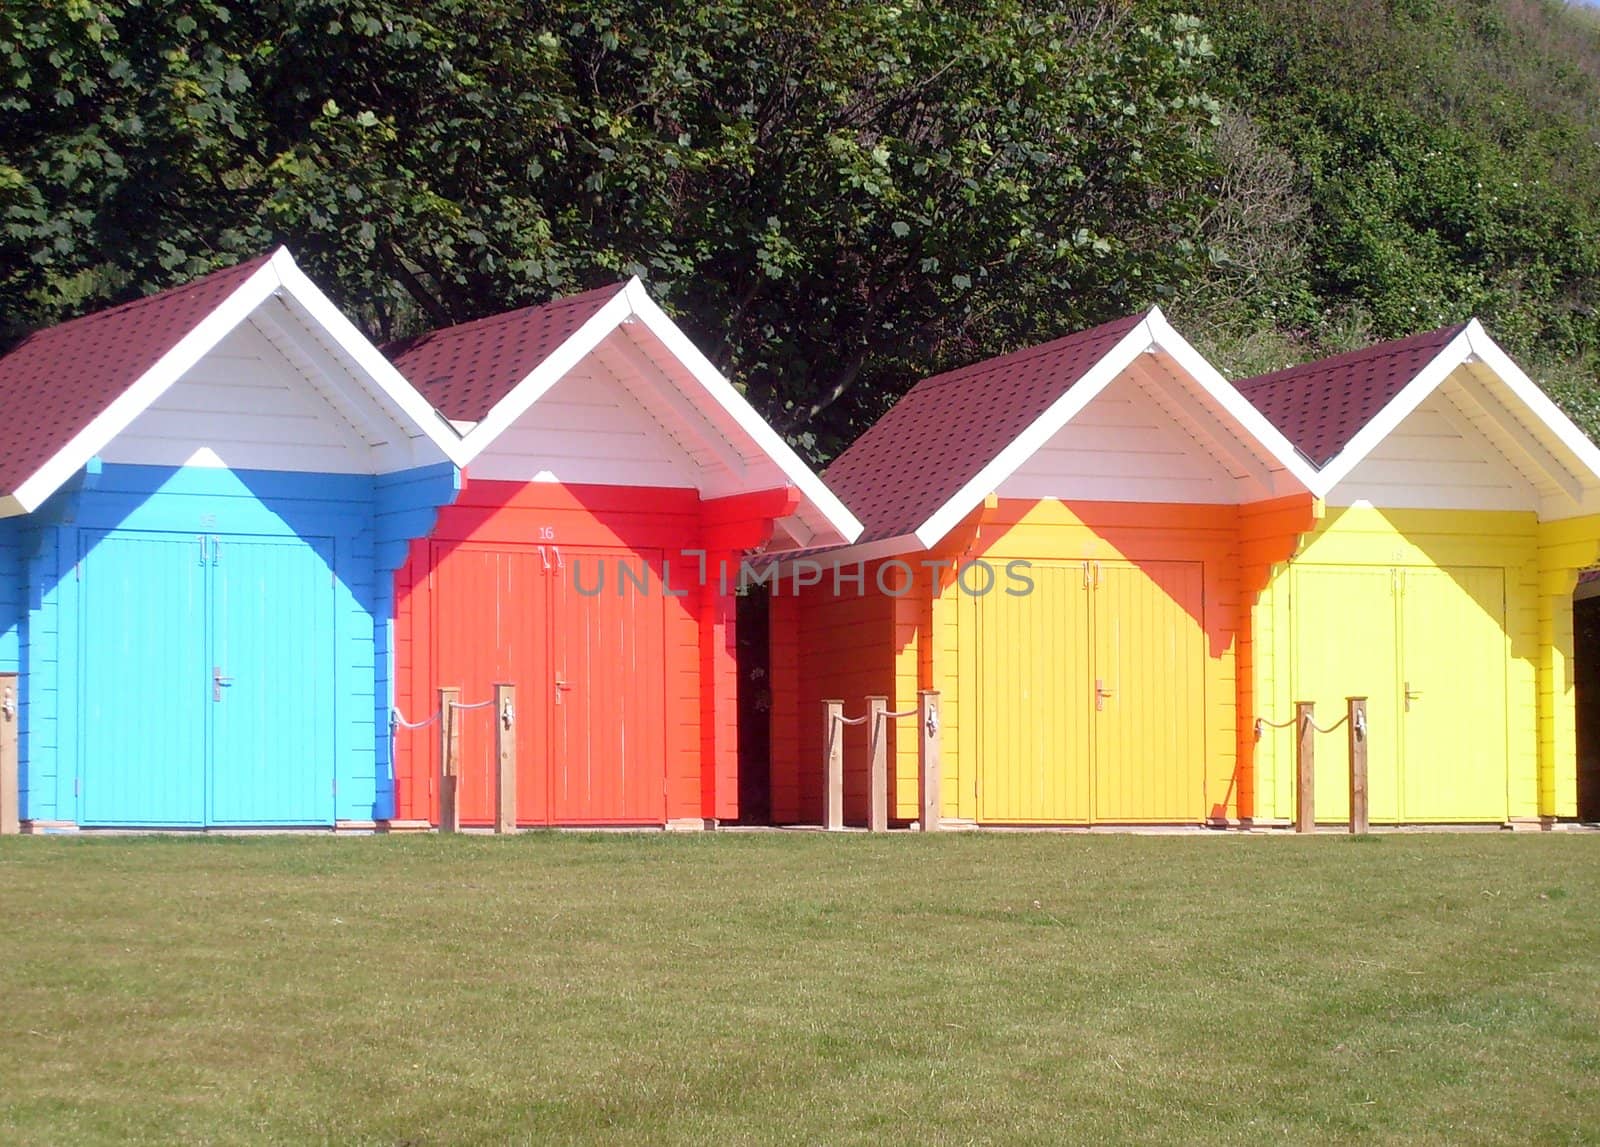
(164,295)
(1385,349)
(483,322)
(935,438)
(1023,354)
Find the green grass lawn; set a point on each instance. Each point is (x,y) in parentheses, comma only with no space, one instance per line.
(800,988)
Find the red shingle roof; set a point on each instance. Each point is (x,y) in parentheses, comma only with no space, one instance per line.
(56,381)
(1321,405)
(949,427)
(465,369)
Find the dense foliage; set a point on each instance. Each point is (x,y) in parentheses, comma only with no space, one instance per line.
(835,197)
(1444,156)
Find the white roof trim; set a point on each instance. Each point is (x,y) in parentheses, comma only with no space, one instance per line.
(279,273)
(1025,445)
(1536,400)
(1153,332)
(723,393)
(634,302)
(372,361)
(538,381)
(132,402)
(1398,409)
(1472,342)
(1232,400)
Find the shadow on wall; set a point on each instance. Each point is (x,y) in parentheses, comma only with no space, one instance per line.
(511,586)
(335,515)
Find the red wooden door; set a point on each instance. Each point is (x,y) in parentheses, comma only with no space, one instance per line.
(608,718)
(589,667)
(491,609)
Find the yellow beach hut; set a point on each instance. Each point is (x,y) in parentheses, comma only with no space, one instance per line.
(1458,507)
(1066,542)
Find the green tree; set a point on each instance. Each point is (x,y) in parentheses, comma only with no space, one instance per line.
(835,197)
(1447,153)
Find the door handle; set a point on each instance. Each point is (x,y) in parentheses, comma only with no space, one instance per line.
(562,686)
(218,682)
(1101,693)
(1411,695)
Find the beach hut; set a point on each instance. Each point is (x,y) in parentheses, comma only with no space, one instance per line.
(615,480)
(205,495)
(1064,542)
(1460,507)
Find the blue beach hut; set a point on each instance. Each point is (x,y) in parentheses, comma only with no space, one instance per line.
(203,497)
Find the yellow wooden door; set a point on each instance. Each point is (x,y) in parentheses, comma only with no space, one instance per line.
(1034,700)
(1345,644)
(1453,676)
(1149,688)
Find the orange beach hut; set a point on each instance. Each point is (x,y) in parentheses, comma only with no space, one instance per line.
(1066,543)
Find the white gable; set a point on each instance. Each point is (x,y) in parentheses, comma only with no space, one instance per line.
(627,399)
(246,405)
(588,428)
(1149,436)
(1470,431)
(624,416)
(1442,456)
(275,378)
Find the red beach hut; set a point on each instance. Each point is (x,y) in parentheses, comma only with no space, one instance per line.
(615,480)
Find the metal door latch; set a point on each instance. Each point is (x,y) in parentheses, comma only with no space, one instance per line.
(1101,693)
(1411,695)
(218,682)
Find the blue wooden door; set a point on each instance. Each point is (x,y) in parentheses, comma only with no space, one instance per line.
(144,633)
(208,680)
(272,687)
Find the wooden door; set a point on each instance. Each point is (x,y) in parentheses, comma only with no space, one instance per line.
(1149,691)
(491,623)
(608,714)
(1034,700)
(273,687)
(144,704)
(1345,641)
(1453,701)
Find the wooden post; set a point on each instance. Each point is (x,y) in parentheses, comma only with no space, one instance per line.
(1357,712)
(833,766)
(10,774)
(449,760)
(932,784)
(1305,759)
(878,769)
(505,755)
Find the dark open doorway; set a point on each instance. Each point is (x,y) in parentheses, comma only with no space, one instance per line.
(1586,682)
(755,710)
